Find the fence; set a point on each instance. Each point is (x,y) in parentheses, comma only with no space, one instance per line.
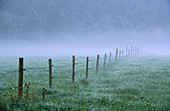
(118,55)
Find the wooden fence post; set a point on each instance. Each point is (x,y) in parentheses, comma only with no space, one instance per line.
(134,51)
(137,53)
(119,54)
(20,82)
(126,52)
(104,61)
(97,64)
(131,51)
(50,73)
(73,67)
(167,68)
(122,53)
(116,54)
(87,66)
(110,56)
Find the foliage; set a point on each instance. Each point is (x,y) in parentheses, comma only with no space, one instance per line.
(84,16)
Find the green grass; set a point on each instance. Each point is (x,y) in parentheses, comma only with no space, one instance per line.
(128,84)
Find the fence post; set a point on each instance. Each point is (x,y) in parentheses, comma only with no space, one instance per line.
(119,54)
(167,68)
(126,51)
(104,61)
(122,53)
(50,73)
(110,57)
(134,51)
(87,66)
(97,64)
(131,51)
(73,67)
(116,54)
(20,82)
(137,53)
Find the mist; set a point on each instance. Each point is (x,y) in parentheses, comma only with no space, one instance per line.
(83,27)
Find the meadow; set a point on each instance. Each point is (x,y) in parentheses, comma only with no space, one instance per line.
(134,84)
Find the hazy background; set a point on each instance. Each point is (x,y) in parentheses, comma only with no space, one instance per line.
(83,27)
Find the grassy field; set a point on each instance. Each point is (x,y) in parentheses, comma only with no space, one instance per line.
(129,84)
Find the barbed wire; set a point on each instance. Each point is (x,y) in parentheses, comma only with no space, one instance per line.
(39,68)
(78,63)
(31,68)
(101,58)
(61,66)
(10,72)
(91,67)
(56,60)
(66,76)
(61,61)
(91,60)
(52,78)
(39,82)
(55,77)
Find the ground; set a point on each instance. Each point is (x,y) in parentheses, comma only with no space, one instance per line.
(138,83)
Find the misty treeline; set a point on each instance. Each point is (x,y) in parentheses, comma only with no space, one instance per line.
(38,17)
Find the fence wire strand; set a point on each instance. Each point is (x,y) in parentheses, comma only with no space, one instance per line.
(101,58)
(10,72)
(66,76)
(40,82)
(31,68)
(61,66)
(92,60)
(80,63)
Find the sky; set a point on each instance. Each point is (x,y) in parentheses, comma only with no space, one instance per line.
(83,27)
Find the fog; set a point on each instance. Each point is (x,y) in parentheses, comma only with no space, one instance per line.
(83,27)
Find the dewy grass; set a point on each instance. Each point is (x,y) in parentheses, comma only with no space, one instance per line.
(128,84)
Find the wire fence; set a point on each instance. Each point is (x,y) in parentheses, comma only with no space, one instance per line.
(66,73)
(43,69)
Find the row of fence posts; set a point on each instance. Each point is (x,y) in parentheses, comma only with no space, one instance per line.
(132,51)
(21,68)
